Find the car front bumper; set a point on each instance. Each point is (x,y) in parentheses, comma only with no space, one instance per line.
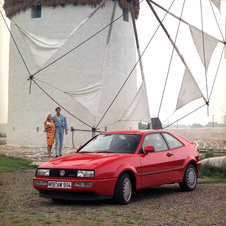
(100,189)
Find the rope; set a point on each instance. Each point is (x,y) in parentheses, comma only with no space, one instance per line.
(112,19)
(170,63)
(204,52)
(138,51)
(51,85)
(81,24)
(31,76)
(20,30)
(108,39)
(204,55)
(85,130)
(86,40)
(137,39)
(209,96)
(170,39)
(217,72)
(168,118)
(185,116)
(132,70)
(59,104)
(65,92)
(15,44)
(179,18)
(216,20)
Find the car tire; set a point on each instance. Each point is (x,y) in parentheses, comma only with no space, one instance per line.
(190,179)
(123,189)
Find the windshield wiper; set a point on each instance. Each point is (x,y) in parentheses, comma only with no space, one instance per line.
(85,152)
(104,152)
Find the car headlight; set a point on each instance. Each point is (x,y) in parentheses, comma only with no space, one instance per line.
(85,173)
(43,172)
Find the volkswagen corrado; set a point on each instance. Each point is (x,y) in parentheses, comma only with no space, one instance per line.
(114,164)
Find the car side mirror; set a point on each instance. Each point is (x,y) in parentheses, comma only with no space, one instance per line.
(148,149)
(79,147)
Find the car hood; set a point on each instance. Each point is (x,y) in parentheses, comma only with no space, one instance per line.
(83,160)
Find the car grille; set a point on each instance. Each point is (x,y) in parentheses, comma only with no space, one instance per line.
(63,173)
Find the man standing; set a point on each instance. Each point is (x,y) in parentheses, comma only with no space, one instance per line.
(60,122)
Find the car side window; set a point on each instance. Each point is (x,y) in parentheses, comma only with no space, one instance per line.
(172,141)
(155,140)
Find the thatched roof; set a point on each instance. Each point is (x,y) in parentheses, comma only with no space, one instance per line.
(13,7)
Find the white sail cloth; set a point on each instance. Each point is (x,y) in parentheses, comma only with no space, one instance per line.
(210,44)
(43,48)
(189,90)
(89,97)
(217,3)
(139,107)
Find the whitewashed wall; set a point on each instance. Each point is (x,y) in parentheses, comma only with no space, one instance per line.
(27,112)
(4,64)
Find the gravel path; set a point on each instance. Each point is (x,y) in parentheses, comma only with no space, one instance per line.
(164,205)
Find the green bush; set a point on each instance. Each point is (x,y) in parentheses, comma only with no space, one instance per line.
(2,135)
(213,171)
(209,154)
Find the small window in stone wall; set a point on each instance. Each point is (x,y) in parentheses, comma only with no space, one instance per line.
(36,11)
(125,14)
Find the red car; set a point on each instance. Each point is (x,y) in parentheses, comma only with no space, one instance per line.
(114,164)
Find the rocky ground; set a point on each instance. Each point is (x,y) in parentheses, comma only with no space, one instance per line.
(217,146)
(164,205)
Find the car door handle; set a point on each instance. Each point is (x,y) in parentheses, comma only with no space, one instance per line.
(169,154)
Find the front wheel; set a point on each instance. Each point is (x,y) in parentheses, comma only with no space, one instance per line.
(123,189)
(190,179)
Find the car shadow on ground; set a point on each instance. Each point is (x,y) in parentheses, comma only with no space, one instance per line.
(155,192)
(139,195)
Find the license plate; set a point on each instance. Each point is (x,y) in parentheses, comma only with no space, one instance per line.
(57,184)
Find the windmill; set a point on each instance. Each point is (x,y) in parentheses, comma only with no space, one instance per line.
(83,56)
(89,77)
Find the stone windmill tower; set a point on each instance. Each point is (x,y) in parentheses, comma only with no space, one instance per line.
(84,81)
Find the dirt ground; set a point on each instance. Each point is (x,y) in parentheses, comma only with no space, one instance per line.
(20,204)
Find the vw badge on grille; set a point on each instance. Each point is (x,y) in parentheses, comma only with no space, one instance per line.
(62,173)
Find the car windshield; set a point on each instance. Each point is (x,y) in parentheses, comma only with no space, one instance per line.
(112,143)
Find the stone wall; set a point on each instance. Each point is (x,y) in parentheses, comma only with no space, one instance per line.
(218,133)
(206,139)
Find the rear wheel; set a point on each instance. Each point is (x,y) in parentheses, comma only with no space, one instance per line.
(123,189)
(190,179)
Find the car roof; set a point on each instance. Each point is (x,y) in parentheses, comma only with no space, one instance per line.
(134,132)
(144,132)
